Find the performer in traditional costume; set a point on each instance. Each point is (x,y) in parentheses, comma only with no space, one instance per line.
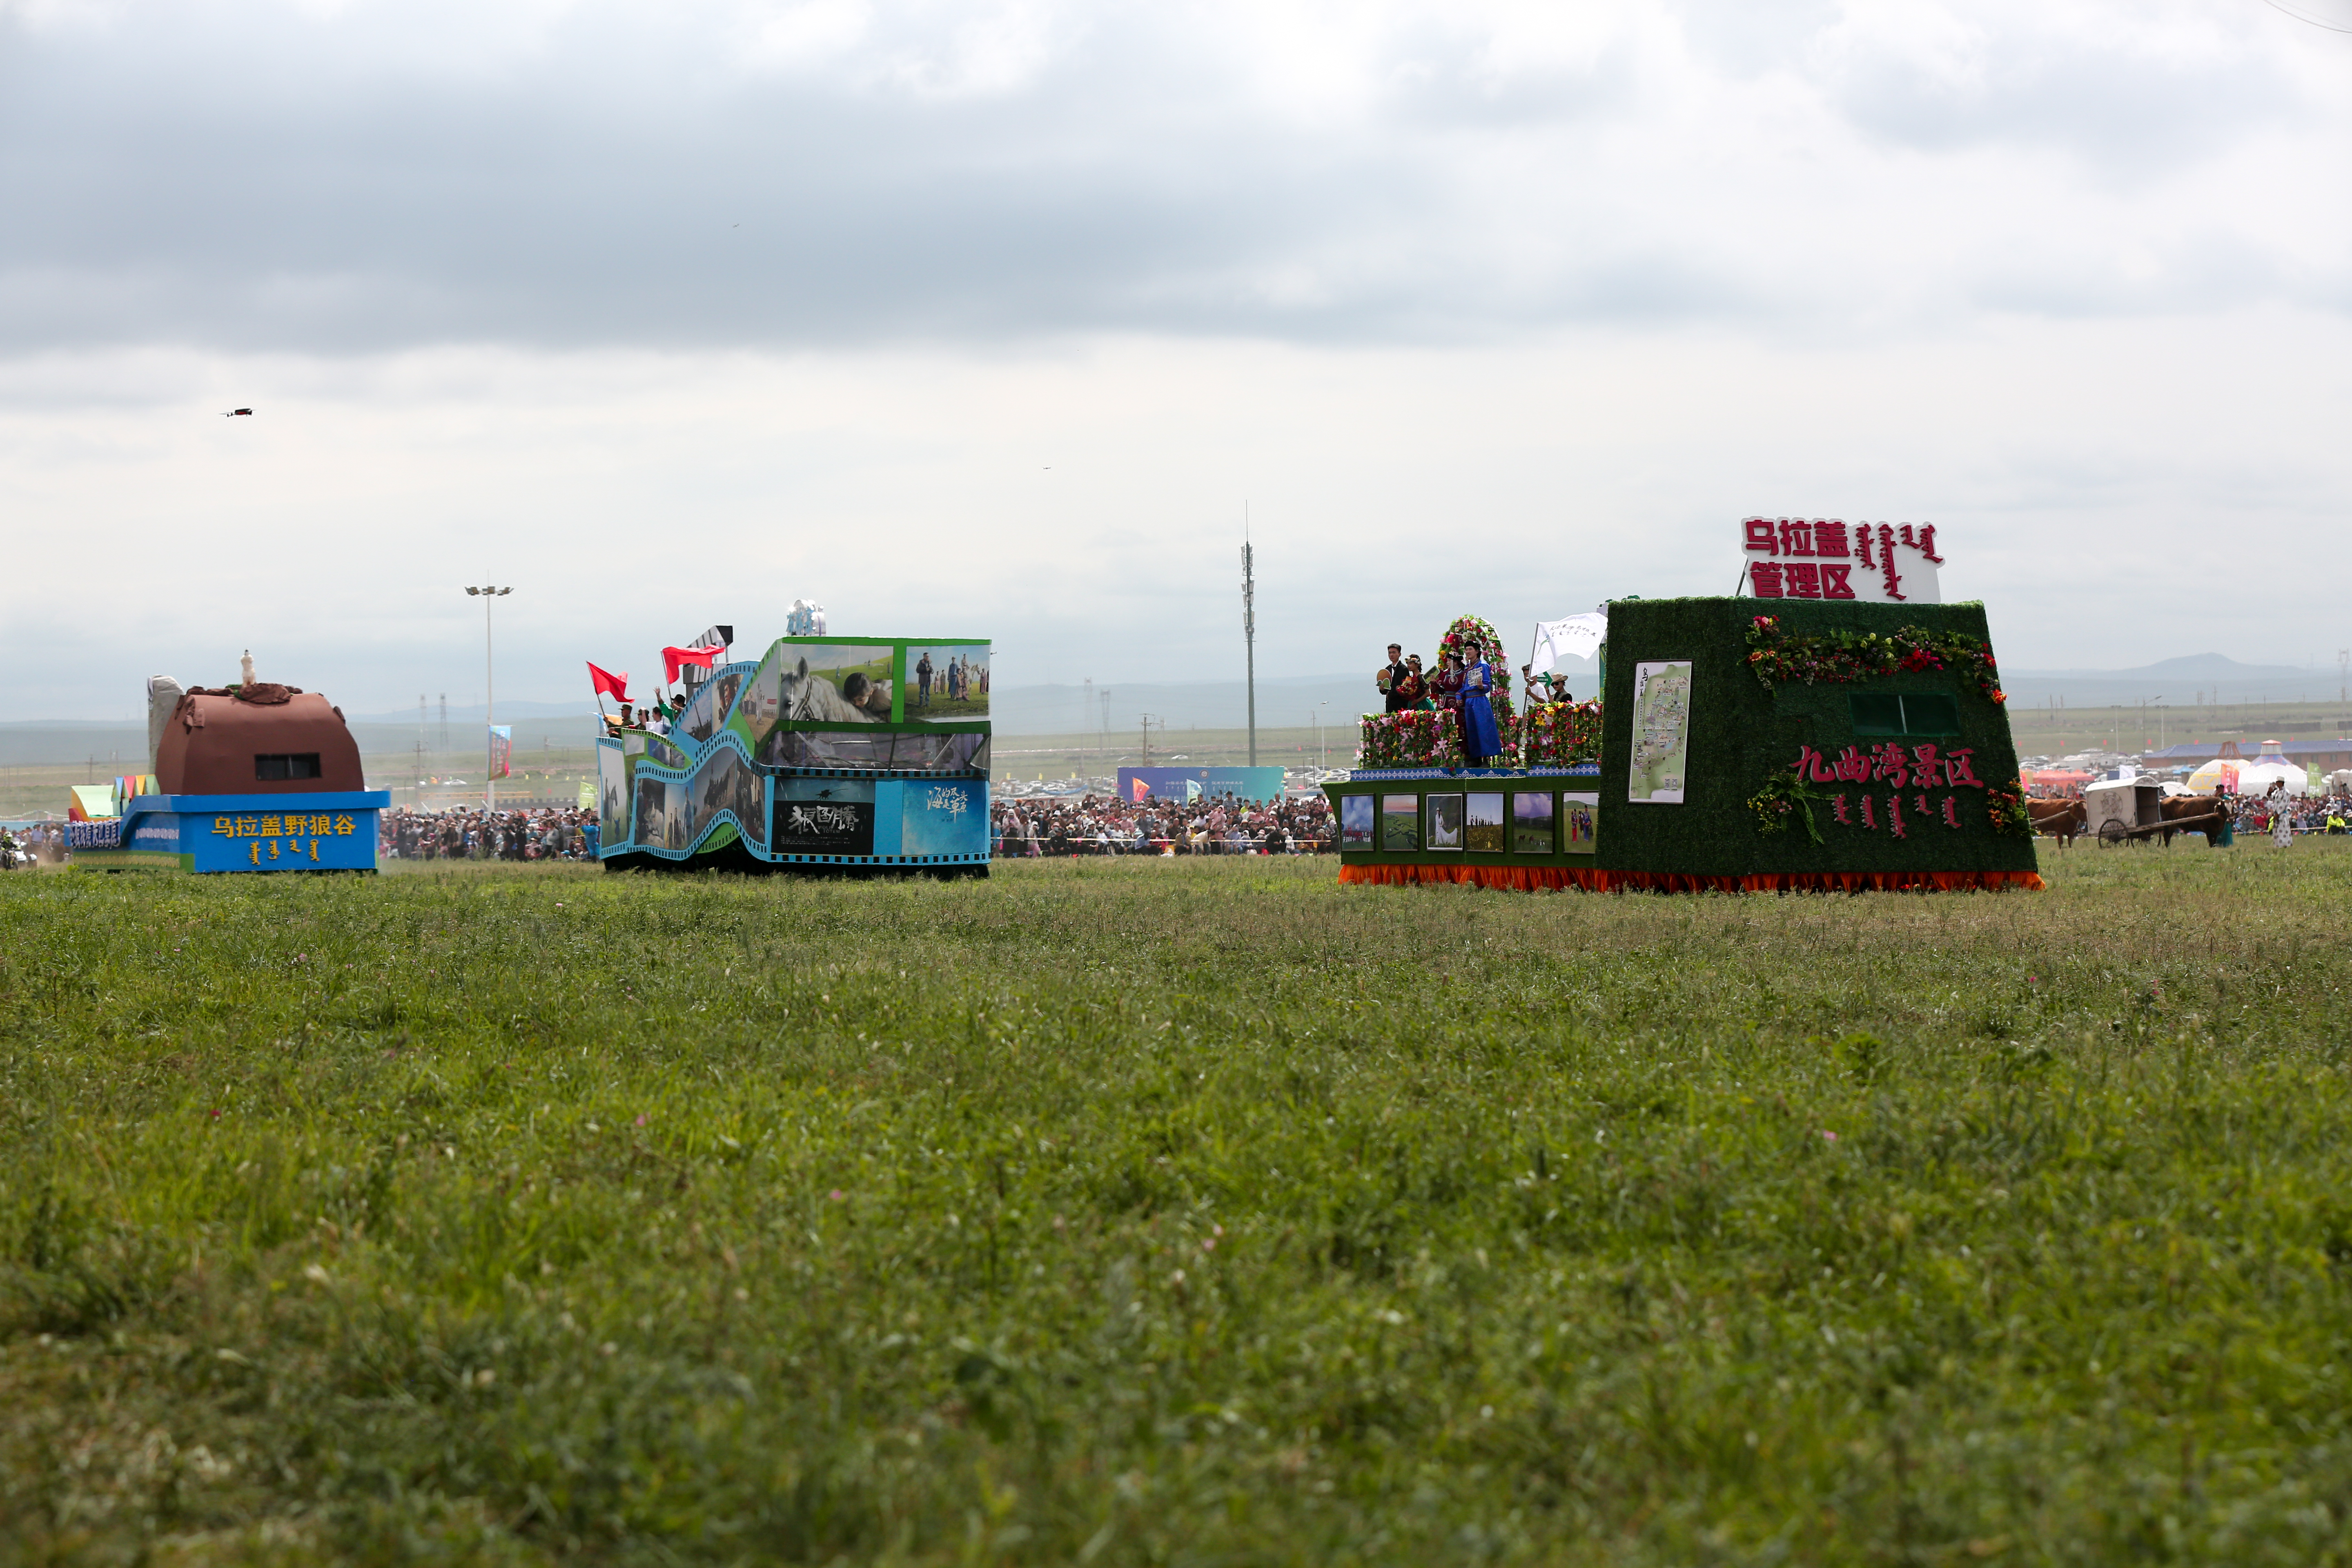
(1411,687)
(1480,738)
(1446,683)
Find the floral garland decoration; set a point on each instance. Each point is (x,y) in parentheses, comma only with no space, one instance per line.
(1432,738)
(1466,630)
(1561,733)
(1786,797)
(2005,804)
(1776,654)
(1417,738)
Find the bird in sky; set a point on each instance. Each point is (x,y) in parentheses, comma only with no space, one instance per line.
(235,412)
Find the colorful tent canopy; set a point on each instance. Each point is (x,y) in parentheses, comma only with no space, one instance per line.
(92,802)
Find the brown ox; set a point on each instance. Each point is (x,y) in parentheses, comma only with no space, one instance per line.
(2212,808)
(2061,819)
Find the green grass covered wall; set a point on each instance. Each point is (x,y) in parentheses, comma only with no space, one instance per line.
(1742,733)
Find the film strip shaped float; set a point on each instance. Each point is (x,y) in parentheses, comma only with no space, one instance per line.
(787,763)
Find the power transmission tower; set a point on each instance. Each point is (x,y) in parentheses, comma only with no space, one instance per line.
(1249,632)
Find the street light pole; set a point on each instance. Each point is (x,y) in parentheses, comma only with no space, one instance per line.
(490,698)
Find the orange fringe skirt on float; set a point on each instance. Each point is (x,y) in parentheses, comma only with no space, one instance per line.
(1528,878)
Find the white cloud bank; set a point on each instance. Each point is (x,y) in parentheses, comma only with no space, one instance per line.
(1502,308)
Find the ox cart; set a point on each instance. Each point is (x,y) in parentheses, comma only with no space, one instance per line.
(2125,809)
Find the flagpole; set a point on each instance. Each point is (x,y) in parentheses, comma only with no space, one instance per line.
(490,698)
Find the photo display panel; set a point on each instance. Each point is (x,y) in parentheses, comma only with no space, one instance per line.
(1532,823)
(1444,827)
(819,683)
(1356,815)
(1482,823)
(651,828)
(612,794)
(1401,823)
(934,752)
(945,817)
(944,682)
(1579,821)
(724,783)
(822,816)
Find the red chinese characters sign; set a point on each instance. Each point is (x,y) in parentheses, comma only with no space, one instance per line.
(1828,558)
(1914,784)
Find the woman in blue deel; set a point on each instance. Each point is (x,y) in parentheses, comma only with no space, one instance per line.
(1480,738)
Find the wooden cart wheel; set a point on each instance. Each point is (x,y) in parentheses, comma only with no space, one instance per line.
(2113,831)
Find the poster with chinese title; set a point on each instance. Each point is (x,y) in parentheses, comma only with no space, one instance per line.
(1662,691)
(501,751)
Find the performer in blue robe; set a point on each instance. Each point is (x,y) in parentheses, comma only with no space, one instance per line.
(1480,738)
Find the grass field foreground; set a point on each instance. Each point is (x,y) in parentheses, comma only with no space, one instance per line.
(1176,1213)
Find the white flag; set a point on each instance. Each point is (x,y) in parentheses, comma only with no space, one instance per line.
(1577,636)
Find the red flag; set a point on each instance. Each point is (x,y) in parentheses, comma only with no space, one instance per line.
(673,656)
(1142,789)
(607,684)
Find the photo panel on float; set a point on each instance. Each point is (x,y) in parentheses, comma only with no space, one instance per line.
(826,749)
(926,752)
(1579,821)
(1400,824)
(819,683)
(708,709)
(906,751)
(612,794)
(1482,823)
(948,818)
(1444,821)
(652,826)
(1356,815)
(822,816)
(945,681)
(1532,823)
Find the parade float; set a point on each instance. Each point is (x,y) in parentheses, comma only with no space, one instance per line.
(1835,729)
(828,755)
(254,776)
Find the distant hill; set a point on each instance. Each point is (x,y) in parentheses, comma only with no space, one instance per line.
(1284,702)
(2177,682)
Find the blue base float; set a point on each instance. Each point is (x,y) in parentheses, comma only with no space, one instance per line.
(215,833)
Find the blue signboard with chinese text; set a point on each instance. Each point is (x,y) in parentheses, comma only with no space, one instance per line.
(211,832)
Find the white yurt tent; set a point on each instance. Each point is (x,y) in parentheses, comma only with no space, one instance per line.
(2253,777)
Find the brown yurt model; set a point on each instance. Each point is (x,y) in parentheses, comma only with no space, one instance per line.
(256,739)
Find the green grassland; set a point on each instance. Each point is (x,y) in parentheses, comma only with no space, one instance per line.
(1191,1211)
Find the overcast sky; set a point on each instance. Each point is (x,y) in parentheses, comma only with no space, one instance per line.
(990,320)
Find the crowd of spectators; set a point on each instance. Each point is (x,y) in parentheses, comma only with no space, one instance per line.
(2305,814)
(1209,825)
(547,832)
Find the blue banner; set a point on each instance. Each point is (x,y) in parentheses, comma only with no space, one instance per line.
(1194,783)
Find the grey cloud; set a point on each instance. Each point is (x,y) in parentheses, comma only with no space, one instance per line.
(2124,117)
(308,185)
